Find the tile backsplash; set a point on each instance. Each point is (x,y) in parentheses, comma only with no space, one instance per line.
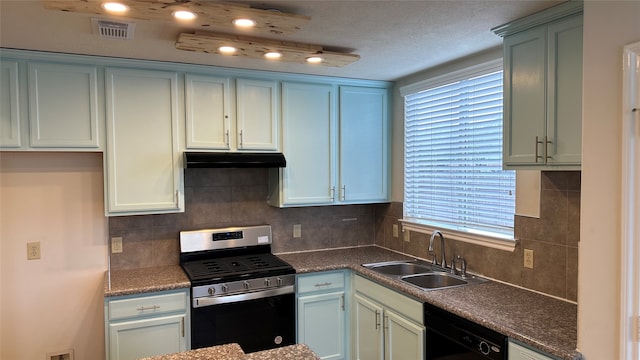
(236,197)
(554,238)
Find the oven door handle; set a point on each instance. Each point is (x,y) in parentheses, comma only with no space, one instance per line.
(216,300)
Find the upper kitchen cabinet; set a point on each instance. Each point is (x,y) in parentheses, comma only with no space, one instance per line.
(10,125)
(214,123)
(62,107)
(364,145)
(143,168)
(329,164)
(308,126)
(543,89)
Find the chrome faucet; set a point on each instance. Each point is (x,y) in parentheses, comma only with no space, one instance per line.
(443,263)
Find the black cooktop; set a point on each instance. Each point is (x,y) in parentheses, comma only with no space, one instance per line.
(233,268)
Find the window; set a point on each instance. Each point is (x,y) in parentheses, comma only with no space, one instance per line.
(453,155)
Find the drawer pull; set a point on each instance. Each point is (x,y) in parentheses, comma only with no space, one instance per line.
(143,308)
(323,284)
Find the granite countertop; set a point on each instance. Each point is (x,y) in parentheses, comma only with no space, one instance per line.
(541,321)
(234,352)
(144,280)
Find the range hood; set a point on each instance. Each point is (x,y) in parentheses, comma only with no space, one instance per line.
(233,160)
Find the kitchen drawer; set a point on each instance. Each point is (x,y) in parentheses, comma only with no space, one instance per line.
(140,306)
(320,282)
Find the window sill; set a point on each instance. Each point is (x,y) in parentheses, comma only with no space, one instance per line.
(477,239)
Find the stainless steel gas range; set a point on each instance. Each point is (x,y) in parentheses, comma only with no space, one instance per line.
(240,292)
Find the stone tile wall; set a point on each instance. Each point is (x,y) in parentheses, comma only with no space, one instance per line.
(554,238)
(236,197)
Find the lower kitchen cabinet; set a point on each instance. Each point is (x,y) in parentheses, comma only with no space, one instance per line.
(519,352)
(321,313)
(147,325)
(385,324)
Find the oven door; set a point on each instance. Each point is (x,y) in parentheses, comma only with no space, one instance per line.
(256,321)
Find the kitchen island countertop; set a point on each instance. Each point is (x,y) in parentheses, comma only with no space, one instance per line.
(234,352)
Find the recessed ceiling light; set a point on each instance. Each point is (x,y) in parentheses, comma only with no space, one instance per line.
(314,59)
(244,23)
(273,55)
(115,7)
(184,15)
(227,49)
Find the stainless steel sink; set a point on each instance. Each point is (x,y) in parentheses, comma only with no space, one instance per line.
(422,274)
(395,268)
(433,280)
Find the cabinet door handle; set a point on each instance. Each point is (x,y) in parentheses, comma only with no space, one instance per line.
(145,308)
(344,192)
(342,302)
(377,319)
(333,192)
(537,143)
(546,148)
(241,139)
(385,322)
(182,326)
(226,135)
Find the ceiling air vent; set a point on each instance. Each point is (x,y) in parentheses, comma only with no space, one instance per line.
(110,29)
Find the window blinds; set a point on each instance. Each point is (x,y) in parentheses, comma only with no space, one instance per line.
(453,158)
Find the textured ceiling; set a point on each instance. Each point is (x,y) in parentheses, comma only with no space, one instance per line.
(394,38)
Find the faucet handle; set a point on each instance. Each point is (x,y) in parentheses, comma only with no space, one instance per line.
(463,266)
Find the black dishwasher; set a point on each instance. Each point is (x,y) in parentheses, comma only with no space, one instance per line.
(450,337)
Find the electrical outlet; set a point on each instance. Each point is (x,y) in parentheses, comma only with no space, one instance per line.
(297,230)
(395,230)
(407,235)
(61,355)
(528,258)
(116,245)
(33,250)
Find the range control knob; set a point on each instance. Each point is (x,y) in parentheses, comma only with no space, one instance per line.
(267,282)
(212,291)
(484,348)
(246,285)
(224,288)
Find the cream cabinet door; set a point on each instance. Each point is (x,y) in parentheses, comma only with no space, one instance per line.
(258,124)
(10,125)
(208,109)
(135,339)
(367,330)
(63,106)
(143,161)
(404,339)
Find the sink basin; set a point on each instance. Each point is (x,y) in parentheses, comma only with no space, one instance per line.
(399,268)
(434,280)
(422,274)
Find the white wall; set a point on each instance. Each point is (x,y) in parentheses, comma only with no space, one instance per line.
(608,26)
(54,303)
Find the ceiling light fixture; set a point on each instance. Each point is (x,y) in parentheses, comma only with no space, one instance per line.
(314,59)
(273,55)
(244,23)
(212,15)
(184,15)
(256,48)
(227,50)
(115,7)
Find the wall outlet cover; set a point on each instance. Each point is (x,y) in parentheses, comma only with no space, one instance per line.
(395,230)
(528,258)
(297,230)
(116,245)
(33,250)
